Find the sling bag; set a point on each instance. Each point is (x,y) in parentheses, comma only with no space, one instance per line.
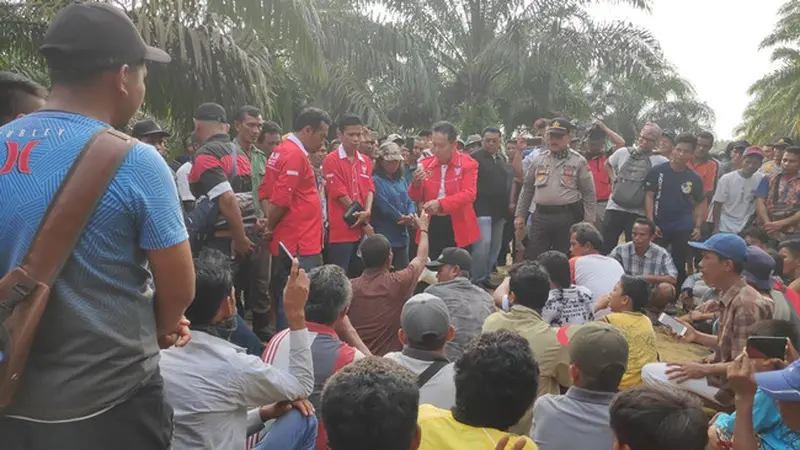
(24,291)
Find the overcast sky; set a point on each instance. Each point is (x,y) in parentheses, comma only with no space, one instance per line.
(706,39)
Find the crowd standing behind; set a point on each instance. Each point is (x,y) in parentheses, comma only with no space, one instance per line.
(270,291)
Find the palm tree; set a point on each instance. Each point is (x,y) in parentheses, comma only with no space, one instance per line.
(775,108)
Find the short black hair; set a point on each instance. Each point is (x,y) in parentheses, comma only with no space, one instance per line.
(757,232)
(213,283)
(792,245)
(530,284)
(794,149)
(778,269)
(686,138)
(12,89)
(775,328)
(269,127)
(658,417)
(79,74)
(492,130)
(425,133)
(349,120)
(586,232)
(246,110)
(370,403)
(447,128)
(596,133)
(557,266)
(496,381)
(638,289)
(669,136)
(311,117)
(329,294)
(706,135)
(646,221)
(375,251)
(511,141)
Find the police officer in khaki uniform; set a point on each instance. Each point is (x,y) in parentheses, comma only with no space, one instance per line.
(560,182)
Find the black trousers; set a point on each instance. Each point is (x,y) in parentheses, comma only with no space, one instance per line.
(677,242)
(440,235)
(144,421)
(614,224)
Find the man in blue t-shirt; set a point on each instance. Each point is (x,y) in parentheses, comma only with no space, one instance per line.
(674,200)
(92,381)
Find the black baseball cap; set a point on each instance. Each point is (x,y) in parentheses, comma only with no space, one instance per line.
(95,35)
(211,112)
(147,127)
(783,142)
(560,125)
(454,256)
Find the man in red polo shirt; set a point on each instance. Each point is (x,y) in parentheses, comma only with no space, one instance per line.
(290,200)
(445,185)
(348,180)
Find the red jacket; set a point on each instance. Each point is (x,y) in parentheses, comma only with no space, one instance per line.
(461,188)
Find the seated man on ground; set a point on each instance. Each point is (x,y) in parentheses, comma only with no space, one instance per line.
(495,386)
(566,302)
(589,268)
(578,420)
(211,383)
(469,305)
(628,302)
(643,258)
(658,418)
(528,288)
(740,307)
(329,296)
(379,294)
(372,403)
(765,418)
(425,331)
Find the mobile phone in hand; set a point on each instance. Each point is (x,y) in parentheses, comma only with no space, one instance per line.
(673,323)
(285,257)
(766,347)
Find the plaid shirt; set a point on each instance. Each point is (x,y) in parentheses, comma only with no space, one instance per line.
(656,260)
(740,307)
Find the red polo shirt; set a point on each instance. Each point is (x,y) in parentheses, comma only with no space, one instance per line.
(289,181)
(343,177)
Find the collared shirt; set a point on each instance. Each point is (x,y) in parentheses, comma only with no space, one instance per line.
(494,184)
(742,306)
(557,181)
(378,299)
(440,390)
(656,261)
(549,344)
(211,383)
(782,197)
(258,166)
(578,420)
(391,202)
(290,182)
(469,306)
(350,178)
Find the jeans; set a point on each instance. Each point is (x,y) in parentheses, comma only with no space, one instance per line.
(345,255)
(280,274)
(485,251)
(244,337)
(400,258)
(292,431)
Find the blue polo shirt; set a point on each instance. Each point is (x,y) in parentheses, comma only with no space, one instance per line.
(676,194)
(97,340)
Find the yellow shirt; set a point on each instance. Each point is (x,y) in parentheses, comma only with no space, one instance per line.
(440,431)
(638,331)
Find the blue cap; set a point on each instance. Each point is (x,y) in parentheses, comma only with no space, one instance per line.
(727,245)
(783,385)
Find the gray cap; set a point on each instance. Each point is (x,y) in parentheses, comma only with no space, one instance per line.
(473,139)
(425,318)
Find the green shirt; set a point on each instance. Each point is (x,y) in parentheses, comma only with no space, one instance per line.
(258,165)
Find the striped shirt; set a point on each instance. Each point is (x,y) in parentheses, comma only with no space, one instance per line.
(656,261)
(328,353)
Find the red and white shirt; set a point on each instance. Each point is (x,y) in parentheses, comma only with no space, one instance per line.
(343,177)
(289,181)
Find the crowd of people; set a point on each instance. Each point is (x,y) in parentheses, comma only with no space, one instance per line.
(323,287)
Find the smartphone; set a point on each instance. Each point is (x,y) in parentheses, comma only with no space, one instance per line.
(673,323)
(285,257)
(766,347)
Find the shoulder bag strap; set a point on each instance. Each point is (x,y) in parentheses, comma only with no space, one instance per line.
(74,203)
(432,370)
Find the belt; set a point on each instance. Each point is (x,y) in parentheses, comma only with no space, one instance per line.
(555,209)
(223,234)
